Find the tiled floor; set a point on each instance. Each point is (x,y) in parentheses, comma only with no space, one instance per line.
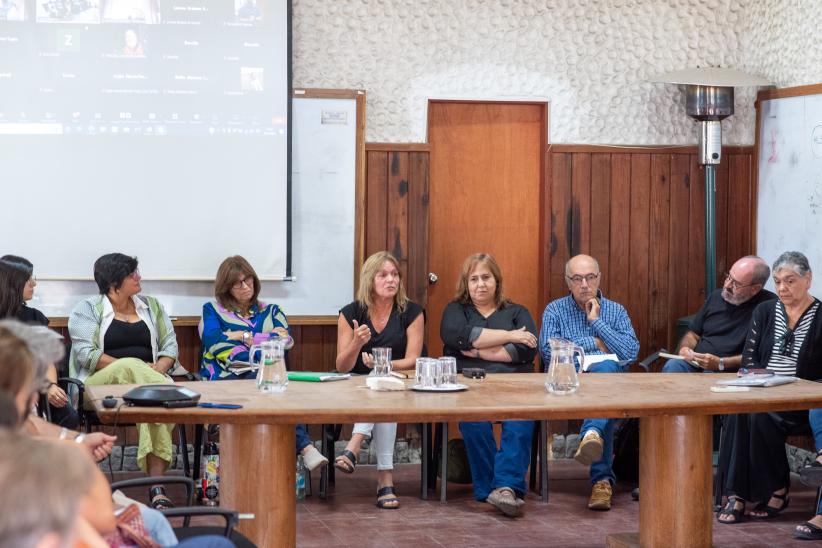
(349,517)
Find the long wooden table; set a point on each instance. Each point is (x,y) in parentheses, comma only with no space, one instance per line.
(257,442)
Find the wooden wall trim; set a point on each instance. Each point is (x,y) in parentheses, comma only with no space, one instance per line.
(642,149)
(767,94)
(397,147)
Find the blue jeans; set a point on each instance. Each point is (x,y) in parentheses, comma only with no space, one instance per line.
(504,467)
(207,541)
(815,419)
(681,366)
(602,469)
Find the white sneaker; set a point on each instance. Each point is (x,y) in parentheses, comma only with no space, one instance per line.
(312,458)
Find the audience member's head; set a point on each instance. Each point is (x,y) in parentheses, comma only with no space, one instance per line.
(9,417)
(236,285)
(112,269)
(46,482)
(15,279)
(46,348)
(792,278)
(16,368)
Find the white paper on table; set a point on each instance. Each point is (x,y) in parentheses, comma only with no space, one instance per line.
(596,358)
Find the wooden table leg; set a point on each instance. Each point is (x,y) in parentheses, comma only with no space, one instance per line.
(257,476)
(674,483)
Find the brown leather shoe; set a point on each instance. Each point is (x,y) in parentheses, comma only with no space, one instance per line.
(600,496)
(590,448)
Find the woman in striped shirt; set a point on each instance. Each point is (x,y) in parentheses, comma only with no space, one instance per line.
(785,338)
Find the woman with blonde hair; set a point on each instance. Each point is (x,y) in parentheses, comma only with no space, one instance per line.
(382,316)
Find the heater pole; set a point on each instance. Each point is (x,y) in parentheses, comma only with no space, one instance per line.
(710,228)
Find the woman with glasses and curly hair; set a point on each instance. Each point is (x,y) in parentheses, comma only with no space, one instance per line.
(122,337)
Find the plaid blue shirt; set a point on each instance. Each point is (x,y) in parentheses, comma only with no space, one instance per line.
(564,318)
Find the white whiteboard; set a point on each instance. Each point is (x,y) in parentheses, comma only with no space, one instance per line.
(789,210)
(323,226)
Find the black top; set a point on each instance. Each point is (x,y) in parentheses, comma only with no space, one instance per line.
(462,324)
(759,344)
(392,336)
(31,316)
(722,326)
(128,340)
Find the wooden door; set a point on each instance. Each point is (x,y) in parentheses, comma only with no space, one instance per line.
(486,176)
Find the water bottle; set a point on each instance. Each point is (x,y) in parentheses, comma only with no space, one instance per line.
(301,476)
(211,474)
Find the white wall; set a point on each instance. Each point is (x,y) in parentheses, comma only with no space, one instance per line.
(590,58)
(782,41)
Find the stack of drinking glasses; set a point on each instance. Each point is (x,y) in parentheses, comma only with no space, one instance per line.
(436,374)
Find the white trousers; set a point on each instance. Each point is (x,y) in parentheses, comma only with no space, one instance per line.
(383,436)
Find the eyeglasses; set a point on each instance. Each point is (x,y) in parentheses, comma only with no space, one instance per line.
(577,280)
(32,280)
(135,275)
(248,281)
(735,284)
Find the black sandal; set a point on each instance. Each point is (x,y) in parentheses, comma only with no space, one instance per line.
(387,503)
(770,511)
(813,532)
(159,500)
(730,509)
(344,466)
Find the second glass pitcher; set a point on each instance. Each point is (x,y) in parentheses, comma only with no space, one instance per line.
(272,378)
(562,371)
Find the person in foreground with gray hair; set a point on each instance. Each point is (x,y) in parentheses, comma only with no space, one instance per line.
(785,338)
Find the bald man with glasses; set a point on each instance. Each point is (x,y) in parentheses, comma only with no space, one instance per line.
(716,336)
(599,326)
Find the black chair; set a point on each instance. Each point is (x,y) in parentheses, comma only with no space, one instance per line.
(231,517)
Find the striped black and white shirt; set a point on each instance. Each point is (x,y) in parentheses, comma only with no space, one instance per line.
(788,342)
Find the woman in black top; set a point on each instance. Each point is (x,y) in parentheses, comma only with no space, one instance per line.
(17,283)
(482,328)
(786,338)
(382,316)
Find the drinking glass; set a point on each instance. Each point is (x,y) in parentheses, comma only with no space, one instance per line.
(382,361)
(427,369)
(448,365)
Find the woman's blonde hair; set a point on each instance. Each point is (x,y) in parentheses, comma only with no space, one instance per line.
(365,293)
(471,263)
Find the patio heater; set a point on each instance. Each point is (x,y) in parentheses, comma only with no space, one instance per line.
(709,99)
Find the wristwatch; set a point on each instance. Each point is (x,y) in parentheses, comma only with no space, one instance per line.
(246,337)
(721,364)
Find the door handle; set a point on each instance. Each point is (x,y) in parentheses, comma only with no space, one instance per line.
(432,278)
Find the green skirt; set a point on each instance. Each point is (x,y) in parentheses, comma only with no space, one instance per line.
(155,438)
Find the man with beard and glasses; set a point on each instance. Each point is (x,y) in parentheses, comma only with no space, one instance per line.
(717,333)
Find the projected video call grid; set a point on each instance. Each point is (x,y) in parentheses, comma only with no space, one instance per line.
(149,67)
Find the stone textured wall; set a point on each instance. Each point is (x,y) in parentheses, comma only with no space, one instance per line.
(590,58)
(782,41)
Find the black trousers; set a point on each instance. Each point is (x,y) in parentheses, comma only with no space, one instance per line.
(753,455)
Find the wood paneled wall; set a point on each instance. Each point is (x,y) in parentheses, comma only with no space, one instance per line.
(639,211)
(397,210)
(641,214)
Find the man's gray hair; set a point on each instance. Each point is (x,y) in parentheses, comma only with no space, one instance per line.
(45,482)
(793,260)
(45,345)
(761,271)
